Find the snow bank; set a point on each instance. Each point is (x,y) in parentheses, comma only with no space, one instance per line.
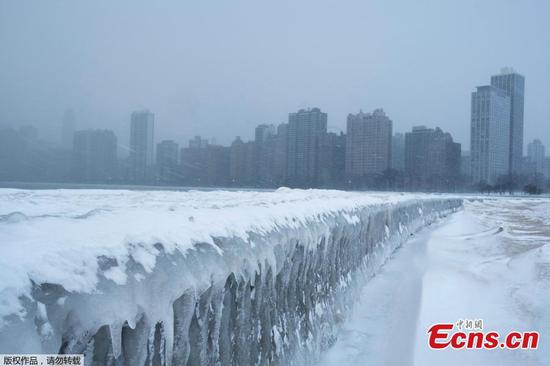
(192,277)
(491,261)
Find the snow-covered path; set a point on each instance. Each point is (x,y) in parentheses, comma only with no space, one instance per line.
(490,261)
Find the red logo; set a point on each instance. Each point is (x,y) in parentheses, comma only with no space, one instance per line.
(442,336)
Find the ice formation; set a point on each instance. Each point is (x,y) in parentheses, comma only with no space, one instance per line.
(192,278)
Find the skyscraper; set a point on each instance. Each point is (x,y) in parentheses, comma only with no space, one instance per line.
(95,156)
(535,153)
(217,165)
(262,133)
(193,162)
(332,159)
(466,166)
(305,130)
(141,145)
(198,142)
(490,134)
(205,164)
(432,159)
(398,152)
(368,144)
(242,163)
(167,160)
(264,146)
(514,85)
(546,168)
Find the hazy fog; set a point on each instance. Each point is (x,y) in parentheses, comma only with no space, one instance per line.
(218,68)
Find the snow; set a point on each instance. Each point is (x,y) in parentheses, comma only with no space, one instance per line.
(56,236)
(186,267)
(100,252)
(490,261)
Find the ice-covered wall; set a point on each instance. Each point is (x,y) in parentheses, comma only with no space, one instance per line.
(274,295)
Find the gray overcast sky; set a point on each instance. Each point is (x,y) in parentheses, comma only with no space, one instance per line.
(219,68)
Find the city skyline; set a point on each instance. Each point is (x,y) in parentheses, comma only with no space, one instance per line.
(298,153)
(303,152)
(69,124)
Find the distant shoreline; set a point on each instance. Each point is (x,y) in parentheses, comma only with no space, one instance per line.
(137,187)
(131,187)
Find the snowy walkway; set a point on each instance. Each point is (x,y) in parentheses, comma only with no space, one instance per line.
(466,267)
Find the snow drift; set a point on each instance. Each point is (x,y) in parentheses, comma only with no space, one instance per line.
(192,278)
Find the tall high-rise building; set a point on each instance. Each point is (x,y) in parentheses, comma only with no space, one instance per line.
(332,161)
(167,161)
(546,167)
(514,84)
(95,156)
(141,145)
(432,159)
(466,166)
(193,162)
(398,152)
(489,134)
(535,154)
(242,163)
(198,142)
(368,144)
(204,164)
(263,132)
(264,145)
(68,128)
(305,130)
(217,165)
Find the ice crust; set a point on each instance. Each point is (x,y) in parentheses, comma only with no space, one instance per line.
(192,278)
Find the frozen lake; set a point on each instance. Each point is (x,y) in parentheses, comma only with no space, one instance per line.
(490,262)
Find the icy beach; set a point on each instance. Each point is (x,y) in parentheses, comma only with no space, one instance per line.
(490,261)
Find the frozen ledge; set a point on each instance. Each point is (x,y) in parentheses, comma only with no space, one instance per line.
(273,291)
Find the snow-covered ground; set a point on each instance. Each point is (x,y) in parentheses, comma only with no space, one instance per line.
(200,277)
(120,262)
(467,267)
(56,236)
